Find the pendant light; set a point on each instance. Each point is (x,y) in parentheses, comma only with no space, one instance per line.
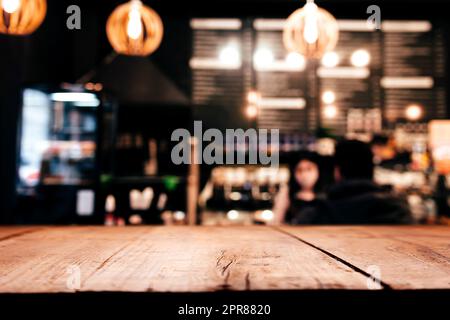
(310,31)
(21,17)
(134,29)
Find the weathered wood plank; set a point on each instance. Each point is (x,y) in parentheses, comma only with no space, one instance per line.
(408,257)
(215,258)
(175,259)
(44,261)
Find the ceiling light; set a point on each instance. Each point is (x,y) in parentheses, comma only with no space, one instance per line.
(413,112)
(263,57)
(330,59)
(229,55)
(330,112)
(253,97)
(310,31)
(328,97)
(134,29)
(296,60)
(360,58)
(10,6)
(251,111)
(21,17)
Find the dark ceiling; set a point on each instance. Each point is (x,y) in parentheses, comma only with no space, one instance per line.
(342,8)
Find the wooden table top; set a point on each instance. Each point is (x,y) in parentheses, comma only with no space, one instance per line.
(206,259)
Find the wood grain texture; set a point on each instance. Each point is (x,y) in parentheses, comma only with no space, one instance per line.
(168,259)
(10,232)
(408,257)
(206,259)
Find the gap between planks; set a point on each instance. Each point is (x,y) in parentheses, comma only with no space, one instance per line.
(383,284)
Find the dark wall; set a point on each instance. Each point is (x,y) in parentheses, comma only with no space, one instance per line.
(47,56)
(55,54)
(11,65)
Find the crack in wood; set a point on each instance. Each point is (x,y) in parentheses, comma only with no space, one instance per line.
(103,264)
(110,257)
(224,269)
(247,281)
(384,285)
(222,254)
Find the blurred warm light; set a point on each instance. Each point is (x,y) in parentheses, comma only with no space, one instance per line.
(10,6)
(135,219)
(360,58)
(296,60)
(413,112)
(235,196)
(21,17)
(110,203)
(267,215)
(263,57)
(325,146)
(134,25)
(251,111)
(232,215)
(330,112)
(310,31)
(134,29)
(229,55)
(89,86)
(328,97)
(253,97)
(93,86)
(330,59)
(179,215)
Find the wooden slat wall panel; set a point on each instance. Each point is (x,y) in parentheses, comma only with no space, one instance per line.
(407,257)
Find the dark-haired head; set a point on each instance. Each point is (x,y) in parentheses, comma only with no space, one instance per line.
(304,172)
(354,160)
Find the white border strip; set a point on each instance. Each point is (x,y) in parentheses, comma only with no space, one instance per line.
(343,72)
(406,26)
(212,63)
(269,24)
(407,82)
(279,65)
(216,24)
(281,103)
(354,25)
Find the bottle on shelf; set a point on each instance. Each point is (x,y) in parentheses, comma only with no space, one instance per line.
(110,208)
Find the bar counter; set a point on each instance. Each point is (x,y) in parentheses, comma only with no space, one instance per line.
(181,259)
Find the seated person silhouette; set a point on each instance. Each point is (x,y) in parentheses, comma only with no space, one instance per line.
(355,198)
